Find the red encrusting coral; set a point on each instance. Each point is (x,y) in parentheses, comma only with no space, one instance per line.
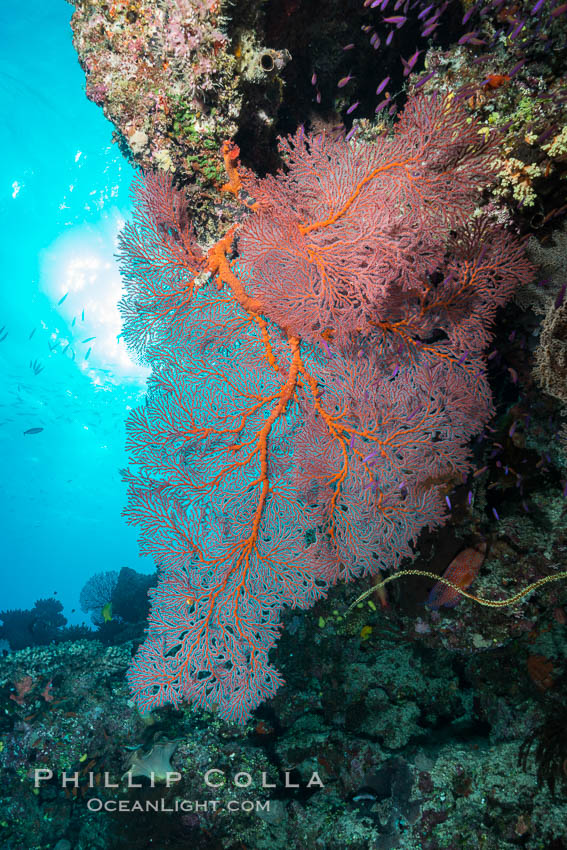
(316,377)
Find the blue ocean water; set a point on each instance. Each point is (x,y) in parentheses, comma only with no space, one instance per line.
(64,195)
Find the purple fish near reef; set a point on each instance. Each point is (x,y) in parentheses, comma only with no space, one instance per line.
(517,30)
(467,15)
(467,37)
(516,67)
(344,81)
(408,65)
(424,80)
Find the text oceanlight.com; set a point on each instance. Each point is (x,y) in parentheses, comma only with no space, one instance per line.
(95,804)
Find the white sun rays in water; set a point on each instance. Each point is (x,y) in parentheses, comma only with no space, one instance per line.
(81,277)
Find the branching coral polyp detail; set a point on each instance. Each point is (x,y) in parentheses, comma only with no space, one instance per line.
(307,394)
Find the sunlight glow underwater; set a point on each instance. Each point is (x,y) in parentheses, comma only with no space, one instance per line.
(63,198)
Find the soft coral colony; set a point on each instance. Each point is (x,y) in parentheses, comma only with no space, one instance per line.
(317,377)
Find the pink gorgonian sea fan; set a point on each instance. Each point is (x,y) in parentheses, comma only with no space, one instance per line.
(317,376)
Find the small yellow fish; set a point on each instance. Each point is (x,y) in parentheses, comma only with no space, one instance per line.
(107,612)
